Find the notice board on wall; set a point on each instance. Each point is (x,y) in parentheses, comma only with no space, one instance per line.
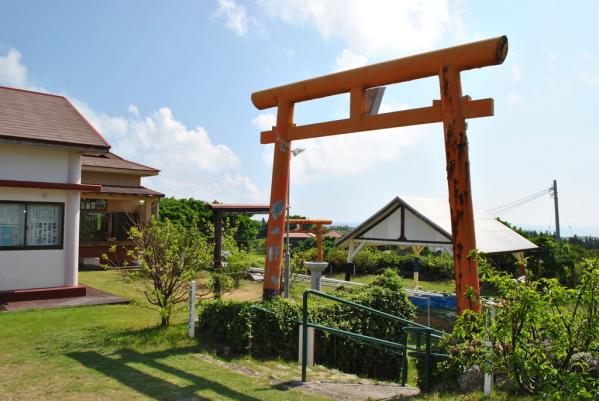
(44,225)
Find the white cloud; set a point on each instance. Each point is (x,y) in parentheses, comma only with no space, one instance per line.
(192,165)
(265,121)
(12,72)
(351,154)
(133,110)
(234,15)
(376,27)
(348,60)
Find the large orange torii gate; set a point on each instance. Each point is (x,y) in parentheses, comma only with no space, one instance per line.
(452,110)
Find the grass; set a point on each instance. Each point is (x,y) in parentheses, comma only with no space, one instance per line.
(114,352)
(474,396)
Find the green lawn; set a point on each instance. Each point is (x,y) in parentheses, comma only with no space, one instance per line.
(114,352)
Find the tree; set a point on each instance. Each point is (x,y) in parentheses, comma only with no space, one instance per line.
(188,213)
(169,255)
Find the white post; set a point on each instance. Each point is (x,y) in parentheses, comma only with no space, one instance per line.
(316,269)
(488,379)
(192,309)
(71,219)
(310,345)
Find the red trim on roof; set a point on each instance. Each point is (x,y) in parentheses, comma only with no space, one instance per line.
(87,122)
(50,185)
(30,91)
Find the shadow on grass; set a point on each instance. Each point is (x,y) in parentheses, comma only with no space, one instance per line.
(154,336)
(150,385)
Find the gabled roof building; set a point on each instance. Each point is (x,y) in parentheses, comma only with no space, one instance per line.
(426,222)
(44,142)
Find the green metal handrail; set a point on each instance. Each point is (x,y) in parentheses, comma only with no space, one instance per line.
(410,327)
(429,334)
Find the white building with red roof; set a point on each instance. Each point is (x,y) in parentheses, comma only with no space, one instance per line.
(44,141)
(107,215)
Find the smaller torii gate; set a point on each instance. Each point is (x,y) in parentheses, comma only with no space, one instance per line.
(452,110)
(318,231)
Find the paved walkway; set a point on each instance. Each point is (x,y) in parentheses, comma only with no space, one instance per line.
(93,297)
(356,392)
(366,389)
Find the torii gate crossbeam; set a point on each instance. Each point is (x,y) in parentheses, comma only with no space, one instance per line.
(452,110)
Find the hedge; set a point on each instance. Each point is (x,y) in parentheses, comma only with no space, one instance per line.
(372,260)
(246,330)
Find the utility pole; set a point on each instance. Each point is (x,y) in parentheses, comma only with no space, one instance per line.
(555,203)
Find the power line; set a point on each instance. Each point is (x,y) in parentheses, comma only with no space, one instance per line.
(519,202)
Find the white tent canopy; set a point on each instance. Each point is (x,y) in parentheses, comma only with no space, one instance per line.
(426,222)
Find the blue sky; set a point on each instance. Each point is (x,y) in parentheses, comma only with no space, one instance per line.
(169,84)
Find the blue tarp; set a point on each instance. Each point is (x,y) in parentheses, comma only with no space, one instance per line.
(440,301)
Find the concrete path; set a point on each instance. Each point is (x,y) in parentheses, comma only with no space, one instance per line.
(355,392)
(93,297)
(361,391)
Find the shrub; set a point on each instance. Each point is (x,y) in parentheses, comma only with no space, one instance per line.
(227,322)
(276,333)
(367,260)
(298,259)
(545,337)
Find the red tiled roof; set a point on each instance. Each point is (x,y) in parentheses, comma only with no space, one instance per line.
(300,235)
(45,118)
(333,234)
(111,160)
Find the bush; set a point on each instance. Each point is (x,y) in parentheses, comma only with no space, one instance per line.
(228,323)
(545,337)
(367,260)
(432,267)
(276,334)
(298,259)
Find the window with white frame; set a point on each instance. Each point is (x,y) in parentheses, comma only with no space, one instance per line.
(28,225)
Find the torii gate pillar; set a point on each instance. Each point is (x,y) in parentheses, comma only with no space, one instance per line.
(460,194)
(278,201)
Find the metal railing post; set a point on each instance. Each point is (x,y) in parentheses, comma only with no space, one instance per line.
(404,361)
(427,363)
(305,337)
